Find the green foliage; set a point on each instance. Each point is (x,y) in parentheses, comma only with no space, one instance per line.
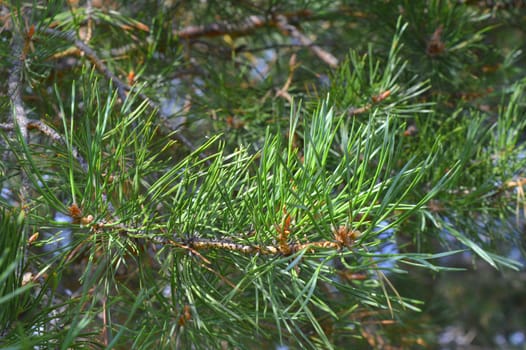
(13,292)
(213,187)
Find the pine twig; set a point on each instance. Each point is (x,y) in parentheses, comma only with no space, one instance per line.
(344,237)
(375,100)
(284,249)
(89,29)
(122,87)
(283,92)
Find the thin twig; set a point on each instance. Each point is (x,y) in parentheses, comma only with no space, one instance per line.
(18,116)
(283,92)
(199,244)
(105,334)
(7,126)
(89,29)
(375,100)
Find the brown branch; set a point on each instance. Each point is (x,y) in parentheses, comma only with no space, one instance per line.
(355,111)
(344,237)
(281,21)
(283,92)
(283,24)
(518,183)
(246,27)
(197,244)
(217,29)
(375,100)
(89,29)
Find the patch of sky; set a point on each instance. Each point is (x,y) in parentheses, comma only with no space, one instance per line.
(453,244)
(518,339)
(388,245)
(45,177)
(172,105)
(7,194)
(59,238)
(261,68)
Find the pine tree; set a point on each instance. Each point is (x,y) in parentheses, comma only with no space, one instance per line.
(235,174)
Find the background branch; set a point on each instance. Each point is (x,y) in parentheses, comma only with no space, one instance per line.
(283,24)
(252,23)
(15,83)
(236,29)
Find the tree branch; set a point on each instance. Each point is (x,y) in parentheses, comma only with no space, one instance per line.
(221,28)
(344,237)
(246,27)
(283,24)
(52,134)
(18,112)
(281,21)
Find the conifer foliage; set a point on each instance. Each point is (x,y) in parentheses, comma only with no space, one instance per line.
(248,174)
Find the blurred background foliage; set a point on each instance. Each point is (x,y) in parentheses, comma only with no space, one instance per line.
(427,103)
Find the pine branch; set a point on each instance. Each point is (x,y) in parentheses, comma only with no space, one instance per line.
(343,238)
(246,27)
(281,21)
(284,239)
(52,134)
(19,117)
(283,24)
(122,88)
